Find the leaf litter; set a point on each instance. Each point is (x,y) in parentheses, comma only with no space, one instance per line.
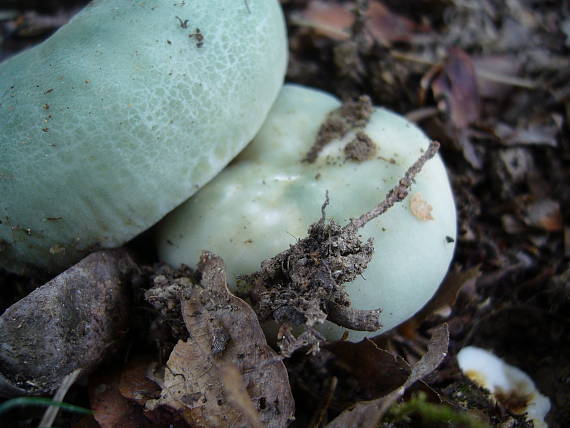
(509,169)
(224,374)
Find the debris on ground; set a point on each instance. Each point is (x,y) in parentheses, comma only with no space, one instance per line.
(72,322)
(490,81)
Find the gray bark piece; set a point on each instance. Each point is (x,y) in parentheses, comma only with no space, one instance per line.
(68,323)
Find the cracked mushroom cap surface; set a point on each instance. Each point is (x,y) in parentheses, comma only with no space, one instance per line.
(123,114)
(268,196)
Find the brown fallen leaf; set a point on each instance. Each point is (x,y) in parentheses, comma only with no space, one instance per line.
(237,394)
(334,20)
(223,330)
(134,383)
(369,413)
(110,408)
(444,298)
(545,214)
(329,19)
(376,371)
(456,82)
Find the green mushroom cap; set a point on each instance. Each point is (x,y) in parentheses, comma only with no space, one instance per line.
(266,199)
(123,114)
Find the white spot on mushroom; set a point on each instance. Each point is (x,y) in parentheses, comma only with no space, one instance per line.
(420,208)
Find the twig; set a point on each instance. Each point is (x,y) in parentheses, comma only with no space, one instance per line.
(325,402)
(398,192)
(487,75)
(324,208)
(51,412)
(422,113)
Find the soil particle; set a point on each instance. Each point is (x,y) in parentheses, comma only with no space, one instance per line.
(361,148)
(350,115)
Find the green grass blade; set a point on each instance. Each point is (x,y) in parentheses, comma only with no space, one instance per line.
(41,402)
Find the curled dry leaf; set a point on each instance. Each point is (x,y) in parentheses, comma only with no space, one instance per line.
(544,214)
(455,282)
(70,322)
(223,330)
(110,408)
(237,394)
(335,20)
(135,381)
(369,413)
(456,82)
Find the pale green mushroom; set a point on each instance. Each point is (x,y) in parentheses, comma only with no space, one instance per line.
(266,199)
(123,114)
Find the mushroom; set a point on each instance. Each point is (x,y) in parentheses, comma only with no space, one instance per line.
(122,115)
(266,199)
(506,383)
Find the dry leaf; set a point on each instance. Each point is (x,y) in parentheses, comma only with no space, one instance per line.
(369,413)
(223,330)
(335,20)
(545,214)
(329,19)
(135,384)
(445,296)
(457,84)
(110,408)
(237,394)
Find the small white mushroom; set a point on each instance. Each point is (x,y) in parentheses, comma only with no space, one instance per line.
(508,384)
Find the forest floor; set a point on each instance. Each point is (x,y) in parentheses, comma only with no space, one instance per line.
(489,80)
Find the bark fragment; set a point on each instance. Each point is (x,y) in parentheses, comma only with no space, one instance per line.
(70,322)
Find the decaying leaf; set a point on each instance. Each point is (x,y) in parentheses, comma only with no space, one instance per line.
(237,394)
(445,296)
(545,214)
(70,322)
(135,381)
(333,20)
(110,408)
(223,330)
(457,84)
(369,414)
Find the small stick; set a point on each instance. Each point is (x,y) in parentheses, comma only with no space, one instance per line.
(398,193)
(52,411)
